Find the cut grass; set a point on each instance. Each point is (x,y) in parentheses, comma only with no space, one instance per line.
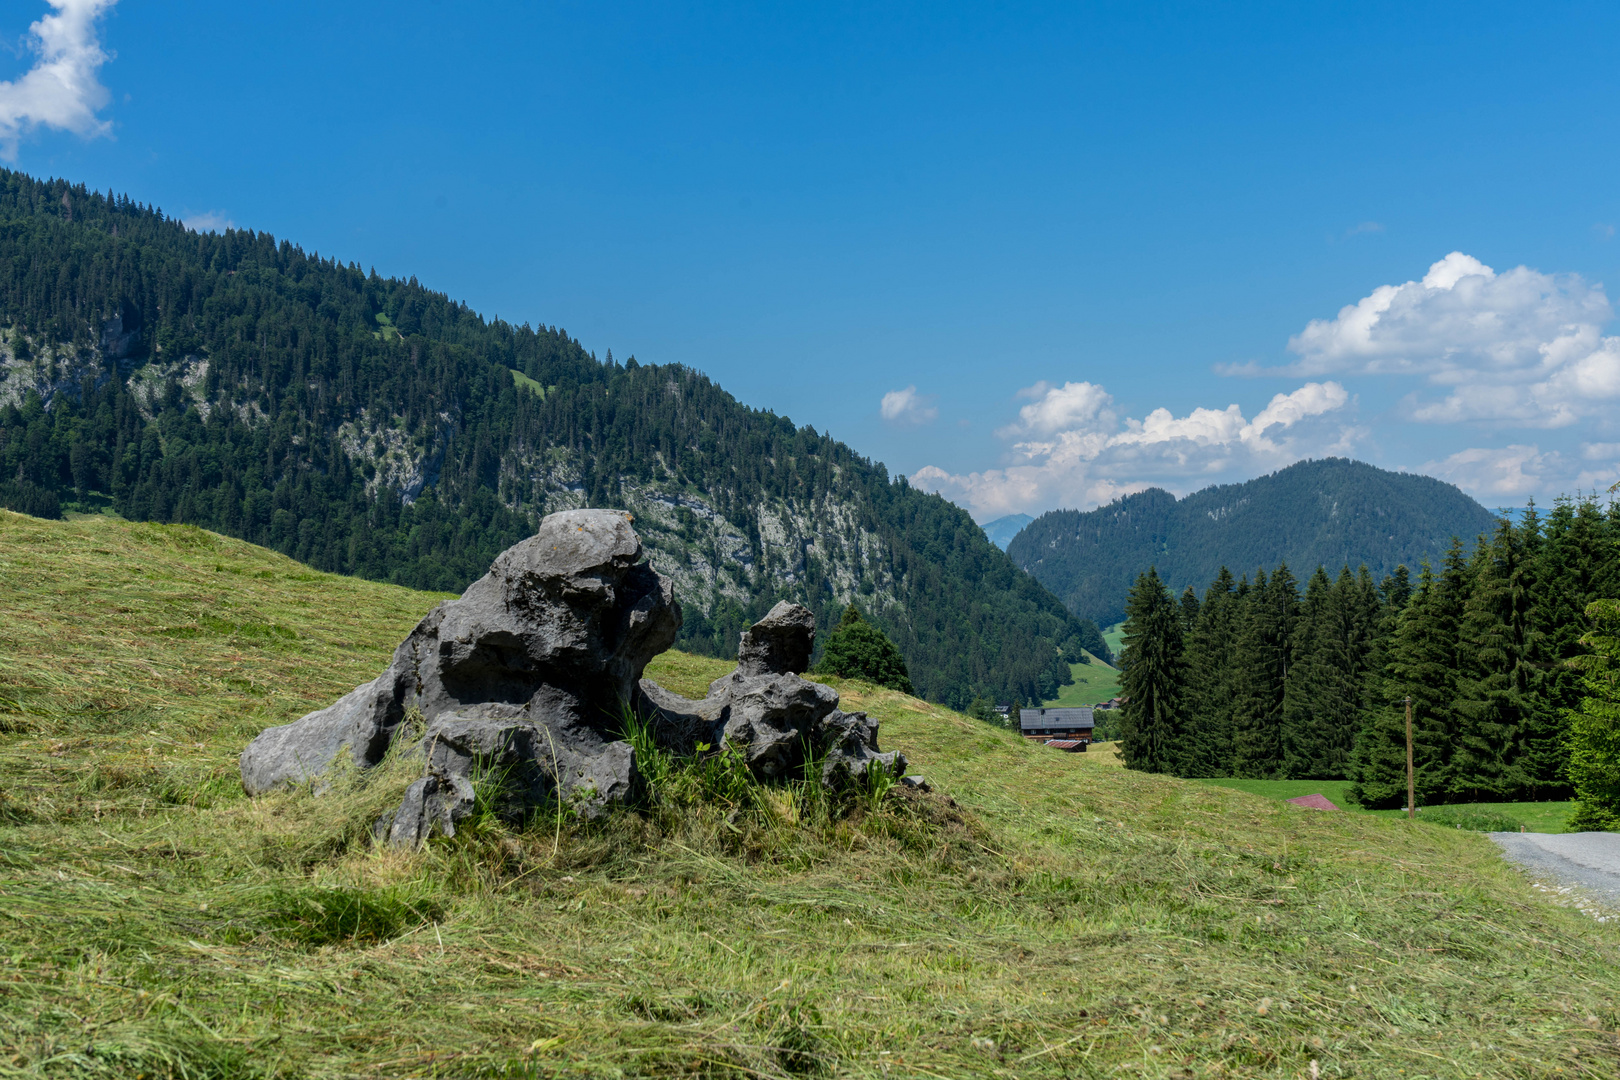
(1534,816)
(1063,919)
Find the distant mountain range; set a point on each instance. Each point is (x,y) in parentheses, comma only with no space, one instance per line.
(1003,529)
(1333,512)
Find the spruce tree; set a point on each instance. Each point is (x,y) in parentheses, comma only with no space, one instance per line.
(1576,559)
(1422,664)
(1594,762)
(1300,736)
(1189,610)
(1263,662)
(859,650)
(1493,706)
(1211,657)
(1150,728)
(1326,693)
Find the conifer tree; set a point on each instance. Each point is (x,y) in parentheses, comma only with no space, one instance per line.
(1301,735)
(859,650)
(1263,662)
(1326,693)
(1150,728)
(1594,763)
(1493,710)
(1211,658)
(1189,610)
(1576,564)
(1422,664)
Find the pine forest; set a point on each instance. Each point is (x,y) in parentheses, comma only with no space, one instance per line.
(1266,677)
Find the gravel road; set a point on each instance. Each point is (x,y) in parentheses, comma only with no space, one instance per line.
(1589,861)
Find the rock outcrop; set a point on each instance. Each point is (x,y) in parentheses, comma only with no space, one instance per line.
(526,677)
(527,672)
(770,715)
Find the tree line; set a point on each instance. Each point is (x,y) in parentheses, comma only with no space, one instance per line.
(1259,678)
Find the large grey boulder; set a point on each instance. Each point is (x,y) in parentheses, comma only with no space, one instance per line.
(771,716)
(534,663)
(518,690)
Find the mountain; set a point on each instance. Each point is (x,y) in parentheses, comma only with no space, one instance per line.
(1331,512)
(370,426)
(1003,529)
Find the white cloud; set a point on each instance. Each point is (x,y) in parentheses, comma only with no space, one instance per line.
(907,407)
(1520,347)
(1513,471)
(1076,452)
(208,221)
(1066,406)
(61,89)
(1523,470)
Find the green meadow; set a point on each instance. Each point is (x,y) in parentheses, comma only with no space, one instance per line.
(1547,817)
(1036,916)
(1093,683)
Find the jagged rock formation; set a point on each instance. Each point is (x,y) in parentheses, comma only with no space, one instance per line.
(528,668)
(770,715)
(526,678)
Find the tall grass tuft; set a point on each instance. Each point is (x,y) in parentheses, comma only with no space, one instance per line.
(316,915)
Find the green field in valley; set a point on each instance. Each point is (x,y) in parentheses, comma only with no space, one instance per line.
(1093,683)
(1037,916)
(1534,816)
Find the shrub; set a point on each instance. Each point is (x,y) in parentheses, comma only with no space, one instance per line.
(859,650)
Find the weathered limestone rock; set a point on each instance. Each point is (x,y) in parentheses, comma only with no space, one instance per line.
(521,685)
(849,747)
(433,802)
(780,643)
(770,715)
(532,665)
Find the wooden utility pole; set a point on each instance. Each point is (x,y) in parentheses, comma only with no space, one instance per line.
(1411,786)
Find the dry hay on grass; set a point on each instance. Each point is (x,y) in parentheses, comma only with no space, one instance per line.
(1062,919)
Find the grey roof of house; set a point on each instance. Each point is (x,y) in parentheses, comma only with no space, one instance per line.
(1055,718)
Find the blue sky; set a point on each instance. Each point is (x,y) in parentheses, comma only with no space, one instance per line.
(1032,256)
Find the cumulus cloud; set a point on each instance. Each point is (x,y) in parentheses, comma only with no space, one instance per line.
(61,90)
(907,407)
(1510,471)
(1521,346)
(1525,469)
(1073,449)
(208,221)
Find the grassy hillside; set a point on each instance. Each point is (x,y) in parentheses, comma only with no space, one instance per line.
(1093,683)
(1062,918)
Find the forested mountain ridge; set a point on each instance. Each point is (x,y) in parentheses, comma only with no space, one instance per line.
(371,426)
(1330,512)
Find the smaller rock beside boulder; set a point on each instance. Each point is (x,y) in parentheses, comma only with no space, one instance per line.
(770,715)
